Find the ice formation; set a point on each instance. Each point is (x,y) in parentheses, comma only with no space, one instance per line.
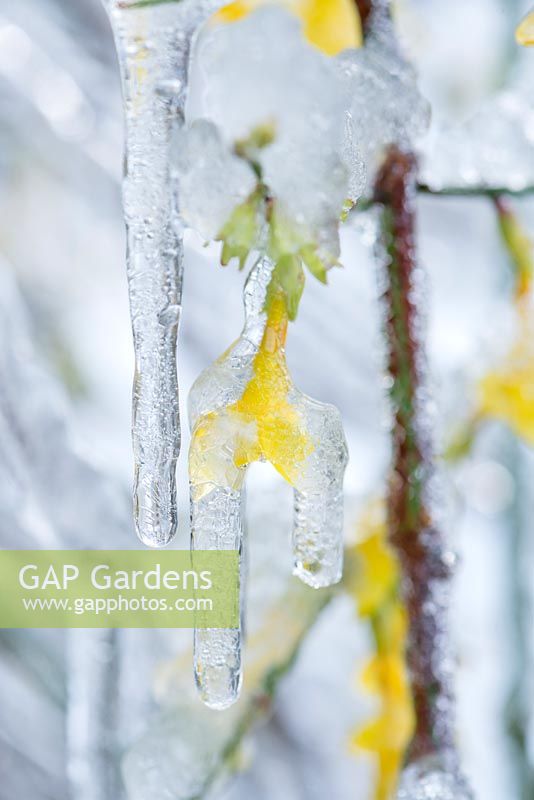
(213,181)
(429,779)
(312,165)
(153,45)
(244,408)
(493,148)
(331,120)
(381,94)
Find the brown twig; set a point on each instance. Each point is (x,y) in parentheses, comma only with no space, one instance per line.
(365,8)
(415,537)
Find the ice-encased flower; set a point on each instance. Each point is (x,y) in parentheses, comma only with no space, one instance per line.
(260,71)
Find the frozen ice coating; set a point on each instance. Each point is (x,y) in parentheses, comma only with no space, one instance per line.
(153,46)
(244,408)
(382,97)
(211,179)
(312,165)
(429,779)
(494,147)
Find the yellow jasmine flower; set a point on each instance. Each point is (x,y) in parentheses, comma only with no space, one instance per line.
(373,579)
(507,393)
(263,425)
(330,25)
(280,436)
(372,573)
(525,30)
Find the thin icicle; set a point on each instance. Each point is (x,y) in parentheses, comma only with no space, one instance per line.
(153,45)
(93,762)
(244,408)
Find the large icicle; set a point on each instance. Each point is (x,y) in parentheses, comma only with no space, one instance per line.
(244,408)
(153,45)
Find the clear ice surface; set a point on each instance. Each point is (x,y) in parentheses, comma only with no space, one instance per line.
(244,408)
(382,96)
(430,779)
(494,147)
(243,76)
(212,181)
(332,118)
(184,750)
(153,46)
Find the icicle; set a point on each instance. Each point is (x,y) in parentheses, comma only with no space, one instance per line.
(244,408)
(93,764)
(153,44)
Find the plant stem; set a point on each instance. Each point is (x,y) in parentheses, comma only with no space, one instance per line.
(474,191)
(143,3)
(517,712)
(415,537)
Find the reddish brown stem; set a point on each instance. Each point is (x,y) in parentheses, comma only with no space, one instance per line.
(415,537)
(365,8)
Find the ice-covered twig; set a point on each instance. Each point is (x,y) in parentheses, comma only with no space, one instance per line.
(426,563)
(93,764)
(415,538)
(519,706)
(474,191)
(153,46)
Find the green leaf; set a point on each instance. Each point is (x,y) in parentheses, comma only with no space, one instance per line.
(314,263)
(289,276)
(518,245)
(240,234)
(284,237)
(262,136)
(348,205)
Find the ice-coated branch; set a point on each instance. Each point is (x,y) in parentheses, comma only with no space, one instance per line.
(365,7)
(412,532)
(425,561)
(474,191)
(153,47)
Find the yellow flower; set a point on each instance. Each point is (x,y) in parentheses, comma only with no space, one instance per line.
(507,394)
(264,424)
(518,245)
(372,573)
(331,25)
(373,579)
(280,435)
(525,30)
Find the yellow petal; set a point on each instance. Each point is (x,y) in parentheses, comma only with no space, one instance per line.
(330,25)
(375,572)
(525,30)
(507,394)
